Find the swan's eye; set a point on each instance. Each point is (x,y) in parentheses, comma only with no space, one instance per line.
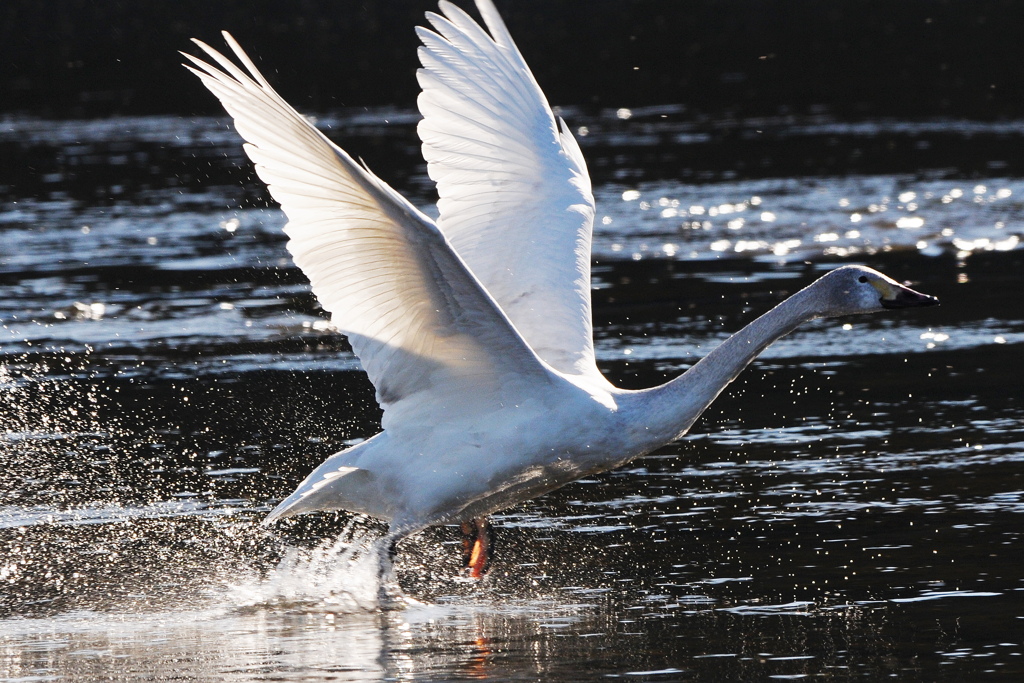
(862,278)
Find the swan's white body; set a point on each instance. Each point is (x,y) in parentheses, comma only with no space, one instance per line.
(476,330)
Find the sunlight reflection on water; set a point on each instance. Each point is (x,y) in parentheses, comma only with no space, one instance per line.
(798,218)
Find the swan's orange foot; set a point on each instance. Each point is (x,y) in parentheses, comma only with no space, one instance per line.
(477,546)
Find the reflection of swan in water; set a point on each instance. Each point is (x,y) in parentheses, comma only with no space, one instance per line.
(476,329)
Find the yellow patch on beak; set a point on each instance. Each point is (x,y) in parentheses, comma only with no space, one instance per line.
(885,290)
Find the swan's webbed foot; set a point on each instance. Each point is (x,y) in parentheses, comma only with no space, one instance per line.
(477,546)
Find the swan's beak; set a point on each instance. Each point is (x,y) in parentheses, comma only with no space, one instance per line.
(898,296)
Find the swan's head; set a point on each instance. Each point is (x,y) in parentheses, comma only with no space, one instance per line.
(858,289)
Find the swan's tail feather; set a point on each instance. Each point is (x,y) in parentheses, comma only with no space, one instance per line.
(330,488)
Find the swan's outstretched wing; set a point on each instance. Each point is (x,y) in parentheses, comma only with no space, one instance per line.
(515,196)
(433,342)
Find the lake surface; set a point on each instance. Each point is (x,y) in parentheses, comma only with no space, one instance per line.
(852,507)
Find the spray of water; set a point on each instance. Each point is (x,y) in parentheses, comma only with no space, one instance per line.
(341,575)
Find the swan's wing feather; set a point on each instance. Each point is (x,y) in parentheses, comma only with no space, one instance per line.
(515,196)
(432,340)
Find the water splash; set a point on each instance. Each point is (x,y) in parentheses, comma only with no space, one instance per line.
(37,400)
(341,575)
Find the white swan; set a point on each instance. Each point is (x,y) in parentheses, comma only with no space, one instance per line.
(476,330)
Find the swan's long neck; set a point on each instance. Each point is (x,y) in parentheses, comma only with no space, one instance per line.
(670,409)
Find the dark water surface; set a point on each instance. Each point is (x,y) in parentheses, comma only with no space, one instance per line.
(853,507)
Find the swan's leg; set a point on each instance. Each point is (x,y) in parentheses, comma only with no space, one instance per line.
(477,546)
(389,592)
